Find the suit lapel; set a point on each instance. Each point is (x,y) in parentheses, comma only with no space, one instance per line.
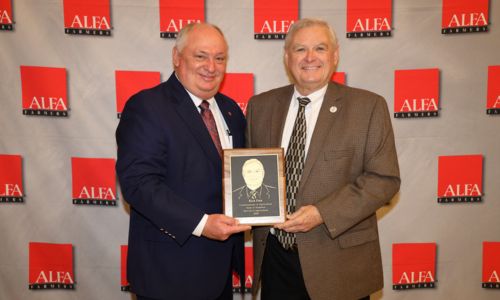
(325,123)
(192,119)
(227,114)
(280,110)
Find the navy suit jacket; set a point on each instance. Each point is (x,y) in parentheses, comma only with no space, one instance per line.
(171,174)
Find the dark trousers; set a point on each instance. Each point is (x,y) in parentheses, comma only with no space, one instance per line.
(227,293)
(281,273)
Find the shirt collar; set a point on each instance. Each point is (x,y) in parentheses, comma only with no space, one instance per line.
(197,100)
(314,97)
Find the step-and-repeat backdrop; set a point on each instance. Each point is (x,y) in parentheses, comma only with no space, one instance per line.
(69,66)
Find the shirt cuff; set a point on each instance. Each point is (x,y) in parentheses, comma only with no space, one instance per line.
(199,228)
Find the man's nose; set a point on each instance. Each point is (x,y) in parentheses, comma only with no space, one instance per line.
(310,55)
(211,64)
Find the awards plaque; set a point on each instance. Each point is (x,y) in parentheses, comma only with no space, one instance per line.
(254,185)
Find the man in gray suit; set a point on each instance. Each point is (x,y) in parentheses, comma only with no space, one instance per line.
(341,167)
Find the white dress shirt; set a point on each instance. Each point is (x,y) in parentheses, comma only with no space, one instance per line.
(225,138)
(311,113)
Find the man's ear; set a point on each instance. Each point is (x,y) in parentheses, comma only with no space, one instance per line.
(175,57)
(285,60)
(336,57)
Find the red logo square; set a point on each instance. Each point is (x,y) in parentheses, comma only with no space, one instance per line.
(413,265)
(493,101)
(44,91)
(463,16)
(338,77)
(272,19)
(11,180)
(51,266)
(239,87)
(175,14)
(369,18)
(6,22)
(94,181)
(491,265)
(460,178)
(125,285)
(247,287)
(416,93)
(89,17)
(129,83)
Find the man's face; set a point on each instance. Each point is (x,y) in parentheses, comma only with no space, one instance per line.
(201,65)
(311,58)
(253,174)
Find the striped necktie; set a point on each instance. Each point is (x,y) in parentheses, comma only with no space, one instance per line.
(294,164)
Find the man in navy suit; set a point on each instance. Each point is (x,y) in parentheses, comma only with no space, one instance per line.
(181,246)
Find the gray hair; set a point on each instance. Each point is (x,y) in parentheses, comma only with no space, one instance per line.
(309,22)
(180,41)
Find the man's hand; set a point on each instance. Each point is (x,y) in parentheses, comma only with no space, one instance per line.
(221,227)
(303,220)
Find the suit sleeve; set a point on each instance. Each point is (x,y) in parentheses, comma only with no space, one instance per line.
(375,186)
(248,129)
(141,167)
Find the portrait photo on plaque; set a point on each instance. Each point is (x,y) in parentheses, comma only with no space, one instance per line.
(254,185)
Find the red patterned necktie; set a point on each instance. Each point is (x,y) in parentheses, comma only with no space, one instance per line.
(208,119)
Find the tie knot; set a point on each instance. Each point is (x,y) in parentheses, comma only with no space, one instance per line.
(204,105)
(303,101)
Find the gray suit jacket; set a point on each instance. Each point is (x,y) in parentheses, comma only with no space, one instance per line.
(351,170)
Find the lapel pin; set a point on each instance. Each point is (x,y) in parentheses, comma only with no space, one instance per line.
(229,113)
(333,109)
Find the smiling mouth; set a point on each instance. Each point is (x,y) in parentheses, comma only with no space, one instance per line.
(309,68)
(208,77)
